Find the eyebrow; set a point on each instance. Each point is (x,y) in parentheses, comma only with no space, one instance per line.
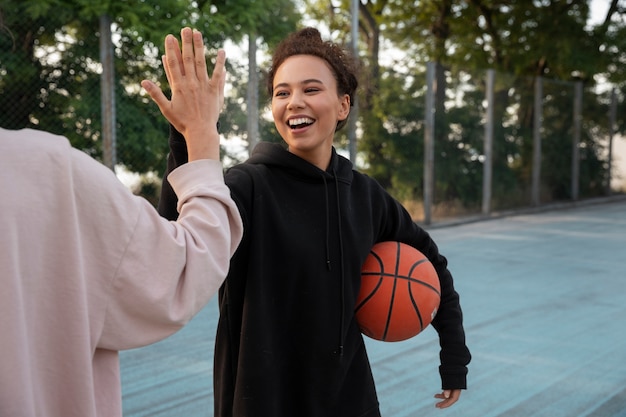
(303,82)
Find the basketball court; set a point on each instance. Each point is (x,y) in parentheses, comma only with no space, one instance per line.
(544,297)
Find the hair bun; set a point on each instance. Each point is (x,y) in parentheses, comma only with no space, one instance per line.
(309,32)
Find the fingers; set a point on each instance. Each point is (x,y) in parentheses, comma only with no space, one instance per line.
(188,59)
(193,59)
(219,71)
(188,55)
(218,77)
(155,94)
(449,397)
(196,99)
(173,61)
(199,59)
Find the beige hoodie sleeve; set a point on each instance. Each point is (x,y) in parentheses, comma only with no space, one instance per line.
(87,269)
(165,272)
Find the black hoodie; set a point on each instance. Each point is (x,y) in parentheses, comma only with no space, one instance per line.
(287,342)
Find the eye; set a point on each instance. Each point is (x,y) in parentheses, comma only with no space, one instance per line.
(311,90)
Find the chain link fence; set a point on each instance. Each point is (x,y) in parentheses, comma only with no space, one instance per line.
(498,142)
(505,142)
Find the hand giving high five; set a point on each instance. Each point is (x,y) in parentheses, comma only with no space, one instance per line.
(196,99)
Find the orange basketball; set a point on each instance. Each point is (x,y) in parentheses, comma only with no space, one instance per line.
(399,293)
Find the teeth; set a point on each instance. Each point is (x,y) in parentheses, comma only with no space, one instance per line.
(300,121)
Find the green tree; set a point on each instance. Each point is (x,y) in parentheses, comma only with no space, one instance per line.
(50,60)
(264,22)
(50,64)
(373,144)
(520,40)
(550,39)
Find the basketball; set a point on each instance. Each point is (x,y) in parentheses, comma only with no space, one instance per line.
(399,293)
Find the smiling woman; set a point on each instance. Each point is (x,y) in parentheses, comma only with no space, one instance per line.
(306,107)
(287,341)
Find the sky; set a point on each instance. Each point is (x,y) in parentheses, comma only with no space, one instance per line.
(598,9)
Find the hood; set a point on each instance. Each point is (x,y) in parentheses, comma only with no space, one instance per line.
(274,154)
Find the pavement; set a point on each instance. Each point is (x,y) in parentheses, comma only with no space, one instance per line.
(544,300)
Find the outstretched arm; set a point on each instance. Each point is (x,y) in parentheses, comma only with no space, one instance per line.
(169,271)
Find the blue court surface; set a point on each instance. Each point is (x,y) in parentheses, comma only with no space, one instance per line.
(544,298)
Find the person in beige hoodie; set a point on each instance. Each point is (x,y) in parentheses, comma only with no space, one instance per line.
(88,269)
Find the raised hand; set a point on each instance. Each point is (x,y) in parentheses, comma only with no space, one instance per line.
(196,100)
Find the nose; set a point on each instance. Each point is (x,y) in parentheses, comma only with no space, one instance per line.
(296,100)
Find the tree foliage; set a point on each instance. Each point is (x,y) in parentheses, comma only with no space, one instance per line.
(50,79)
(51,59)
(50,64)
(520,40)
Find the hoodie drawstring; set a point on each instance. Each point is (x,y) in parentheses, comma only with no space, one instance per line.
(343,277)
(327,223)
(341,258)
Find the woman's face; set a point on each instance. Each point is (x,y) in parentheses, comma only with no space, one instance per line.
(306,107)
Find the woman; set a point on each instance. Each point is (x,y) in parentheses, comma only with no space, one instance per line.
(287,341)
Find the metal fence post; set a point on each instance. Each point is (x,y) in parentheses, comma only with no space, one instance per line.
(429,141)
(612,129)
(536,168)
(354,111)
(578,105)
(488,143)
(107,88)
(252,116)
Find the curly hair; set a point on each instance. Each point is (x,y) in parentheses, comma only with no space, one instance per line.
(308,41)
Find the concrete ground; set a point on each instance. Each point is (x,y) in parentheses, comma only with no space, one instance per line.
(544,298)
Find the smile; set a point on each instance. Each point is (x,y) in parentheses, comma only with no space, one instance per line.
(300,122)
